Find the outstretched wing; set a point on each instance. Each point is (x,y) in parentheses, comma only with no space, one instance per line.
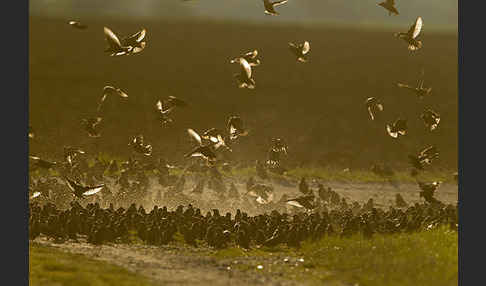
(305,48)
(194,135)
(93,190)
(245,67)
(112,39)
(276,3)
(417,27)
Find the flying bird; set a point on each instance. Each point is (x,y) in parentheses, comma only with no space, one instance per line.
(306,202)
(82,191)
(244,78)
(204,151)
(236,128)
(115,47)
(77,25)
(43,164)
(300,50)
(425,157)
(136,41)
(173,101)
(389,5)
(270,6)
(250,57)
(410,37)
(398,128)
(431,119)
(89,125)
(419,90)
(215,136)
(70,153)
(31,132)
(112,91)
(139,146)
(373,104)
(163,113)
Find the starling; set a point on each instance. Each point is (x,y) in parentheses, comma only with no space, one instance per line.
(300,51)
(410,37)
(389,5)
(270,6)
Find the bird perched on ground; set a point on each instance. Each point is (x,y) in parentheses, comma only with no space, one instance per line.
(410,37)
(236,128)
(431,119)
(139,146)
(204,151)
(425,157)
(250,57)
(77,25)
(111,91)
(82,191)
(244,78)
(70,153)
(40,163)
(136,41)
(270,6)
(303,202)
(373,104)
(398,128)
(389,5)
(428,190)
(89,125)
(419,90)
(115,47)
(304,187)
(300,50)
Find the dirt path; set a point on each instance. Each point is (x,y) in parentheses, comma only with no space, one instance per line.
(168,265)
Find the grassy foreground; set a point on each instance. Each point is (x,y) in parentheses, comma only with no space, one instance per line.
(48,266)
(425,258)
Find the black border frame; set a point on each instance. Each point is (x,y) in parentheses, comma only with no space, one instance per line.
(15,93)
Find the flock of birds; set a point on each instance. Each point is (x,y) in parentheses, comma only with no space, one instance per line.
(95,221)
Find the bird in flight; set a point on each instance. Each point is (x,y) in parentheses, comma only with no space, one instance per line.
(250,57)
(300,50)
(398,128)
(40,163)
(425,157)
(389,5)
(115,47)
(110,90)
(431,119)
(410,37)
(244,77)
(31,132)
(89,125)
(373,104)
(77,25)
(139,147)
(205,151)
(82,191)
(306,202)
(419,90)
(70,153)
(270,6)
(136,41)
(236,128)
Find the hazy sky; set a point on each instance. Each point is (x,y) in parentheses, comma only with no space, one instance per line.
(437,14)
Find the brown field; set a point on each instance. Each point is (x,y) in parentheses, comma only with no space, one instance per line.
(317,107)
